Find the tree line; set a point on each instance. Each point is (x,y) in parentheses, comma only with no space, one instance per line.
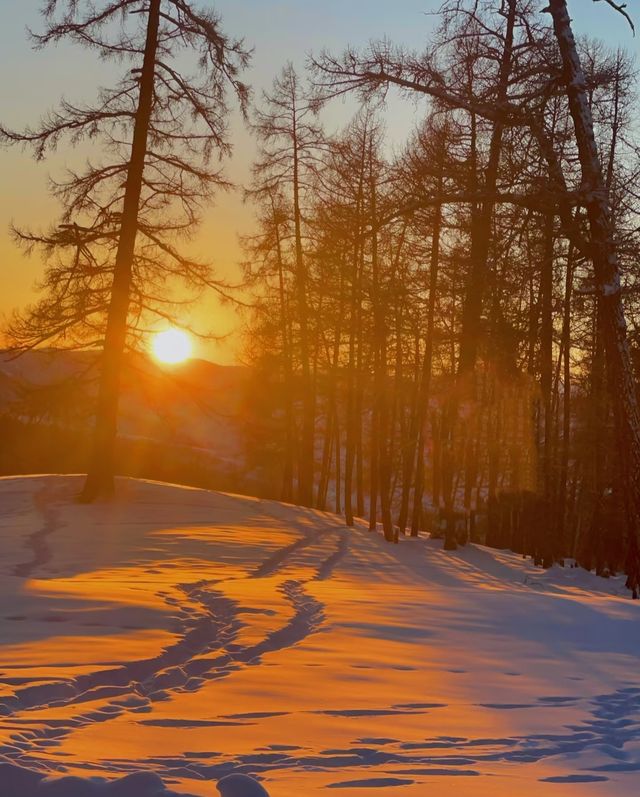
(439,335)
(443,330)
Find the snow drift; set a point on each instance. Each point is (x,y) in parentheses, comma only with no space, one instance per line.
(19,782)
(176,637)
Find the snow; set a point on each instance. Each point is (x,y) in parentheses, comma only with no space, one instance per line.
(19,782)
(156,645)
(239,785)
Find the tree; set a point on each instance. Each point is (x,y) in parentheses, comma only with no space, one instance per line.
(290,137)
(608,282)
(268,270)
(114,249)
(519,96)
(503,431)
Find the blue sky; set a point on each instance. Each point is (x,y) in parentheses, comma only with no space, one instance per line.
(279,31)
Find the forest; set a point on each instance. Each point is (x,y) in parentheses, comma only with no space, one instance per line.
(441,328)
(392,542)
(442,334)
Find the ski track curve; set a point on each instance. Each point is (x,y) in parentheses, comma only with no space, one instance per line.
(610,723)
(134,686)
(38,541)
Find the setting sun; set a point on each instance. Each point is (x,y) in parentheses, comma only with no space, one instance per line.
(172,346)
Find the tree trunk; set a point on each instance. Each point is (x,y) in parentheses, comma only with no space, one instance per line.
(287,352)
(100,477)
(425,378)
(358,419)
(409,441)
(546,383)
(307,442)
(563,516)
(380,377)
(373,454)
(351,420)
(607,278)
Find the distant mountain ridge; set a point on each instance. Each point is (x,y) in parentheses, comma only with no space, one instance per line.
(196,405)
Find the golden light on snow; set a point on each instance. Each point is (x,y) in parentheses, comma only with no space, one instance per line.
(172,346)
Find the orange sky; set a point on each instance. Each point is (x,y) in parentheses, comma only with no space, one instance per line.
(278,31)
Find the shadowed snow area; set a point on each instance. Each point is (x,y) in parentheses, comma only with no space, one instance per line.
(155,645)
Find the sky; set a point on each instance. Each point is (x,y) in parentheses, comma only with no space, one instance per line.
(278,31)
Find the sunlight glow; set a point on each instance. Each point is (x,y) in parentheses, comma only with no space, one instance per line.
(172,346)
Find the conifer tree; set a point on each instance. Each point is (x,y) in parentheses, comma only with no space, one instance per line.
(160,133)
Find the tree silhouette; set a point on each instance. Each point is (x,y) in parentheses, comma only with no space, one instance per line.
(289,138)
(161,132)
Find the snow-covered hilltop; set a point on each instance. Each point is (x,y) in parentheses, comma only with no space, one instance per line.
(188,635)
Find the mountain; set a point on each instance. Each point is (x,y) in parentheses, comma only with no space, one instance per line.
(191,410)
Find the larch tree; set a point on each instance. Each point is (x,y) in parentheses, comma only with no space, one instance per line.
(502,434)
(608,280)
(160,132)
(290,139)
(268,272)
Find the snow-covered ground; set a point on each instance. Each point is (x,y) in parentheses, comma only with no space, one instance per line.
(187,635)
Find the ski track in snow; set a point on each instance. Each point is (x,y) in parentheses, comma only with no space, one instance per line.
(599,744)
(137,684)
(38,541)
(611,722)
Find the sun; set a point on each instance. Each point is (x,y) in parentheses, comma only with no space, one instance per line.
(171,346)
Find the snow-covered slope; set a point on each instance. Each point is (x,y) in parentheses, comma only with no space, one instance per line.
(189,635)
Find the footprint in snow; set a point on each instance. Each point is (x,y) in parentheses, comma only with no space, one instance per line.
(238,785)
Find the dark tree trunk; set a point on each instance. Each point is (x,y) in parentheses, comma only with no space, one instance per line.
(425,377)
(307,442)
(410,438)
(100,477)
(607,278)
(287,353)
(563,516)
(380,376)
(351,419)
(546,378)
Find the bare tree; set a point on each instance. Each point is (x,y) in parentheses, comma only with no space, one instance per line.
(160,131)
(289,137)
(608,281)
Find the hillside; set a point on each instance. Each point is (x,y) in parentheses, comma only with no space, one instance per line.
(191,634)
(194,408)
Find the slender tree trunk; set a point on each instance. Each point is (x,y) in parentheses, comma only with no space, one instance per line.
(355,301)
(288,467)
(327,454)
(100,477)
(374,459)
(410,439)
(608,283)
(384,442)
(338,475)
(546,378)
(358,419)
(307,442)
(563,516)
(380,377)
(398,415)
(351,420)
(333,420)
(427,363)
